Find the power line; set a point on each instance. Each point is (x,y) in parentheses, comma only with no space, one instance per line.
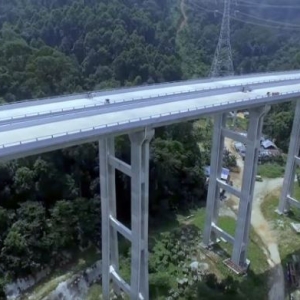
(268,6)
(262,5)
(271,21)
(264,25)
(196,5)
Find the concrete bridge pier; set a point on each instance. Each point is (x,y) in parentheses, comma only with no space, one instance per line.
(286,198)
(138,234)
(252,141)
(213,196)
(241,239)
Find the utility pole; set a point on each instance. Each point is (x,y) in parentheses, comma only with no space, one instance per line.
(222,64)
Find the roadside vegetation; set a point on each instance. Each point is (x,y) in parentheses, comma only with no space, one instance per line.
(270,170)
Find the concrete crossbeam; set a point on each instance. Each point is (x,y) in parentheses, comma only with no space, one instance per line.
(120,165)
(223,234)
(122,229)
(121,283)
(293,202)
(234,135)
(228,188)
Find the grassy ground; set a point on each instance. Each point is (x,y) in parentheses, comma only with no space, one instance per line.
(94,292)
(270,170)
(289,241)
(255,283)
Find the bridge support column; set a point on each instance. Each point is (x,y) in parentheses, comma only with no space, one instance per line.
(138,234)
(252,142)
(286,198)
(110,253)
(213,195)
(139,213)
(241,239)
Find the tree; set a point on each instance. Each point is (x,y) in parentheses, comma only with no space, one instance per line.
(88,215)
(24,184)
(15,254)
(176,171)
(64,229)
(229,160)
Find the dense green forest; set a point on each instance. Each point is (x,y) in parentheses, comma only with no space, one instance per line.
(51,202)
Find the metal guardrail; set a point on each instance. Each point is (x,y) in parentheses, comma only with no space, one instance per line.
(157,116)
(73,108)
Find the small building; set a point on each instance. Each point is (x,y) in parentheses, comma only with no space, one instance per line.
(225,173)
(268,150)
(268,145)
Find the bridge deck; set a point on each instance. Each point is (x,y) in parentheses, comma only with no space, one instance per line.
(68,103)
(46,134)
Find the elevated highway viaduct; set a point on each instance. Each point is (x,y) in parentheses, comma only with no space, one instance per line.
(38,126)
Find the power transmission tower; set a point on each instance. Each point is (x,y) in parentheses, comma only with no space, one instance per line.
(222,63)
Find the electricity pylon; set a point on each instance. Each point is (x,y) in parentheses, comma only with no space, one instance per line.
(222,63)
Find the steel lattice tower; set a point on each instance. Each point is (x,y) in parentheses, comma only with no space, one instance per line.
(222,63)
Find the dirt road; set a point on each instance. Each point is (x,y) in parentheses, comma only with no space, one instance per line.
(268,237)
(184,16)
(261,226)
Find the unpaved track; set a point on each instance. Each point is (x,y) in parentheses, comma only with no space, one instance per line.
(184,16)
(262,227)
(268,237)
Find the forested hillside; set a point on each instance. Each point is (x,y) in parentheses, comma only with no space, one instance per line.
(48,47)
(53,47)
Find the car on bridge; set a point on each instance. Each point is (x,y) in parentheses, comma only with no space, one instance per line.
(273,94)
(90,95)
(246,89)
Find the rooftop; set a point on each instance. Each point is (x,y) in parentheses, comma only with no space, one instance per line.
(268,144)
